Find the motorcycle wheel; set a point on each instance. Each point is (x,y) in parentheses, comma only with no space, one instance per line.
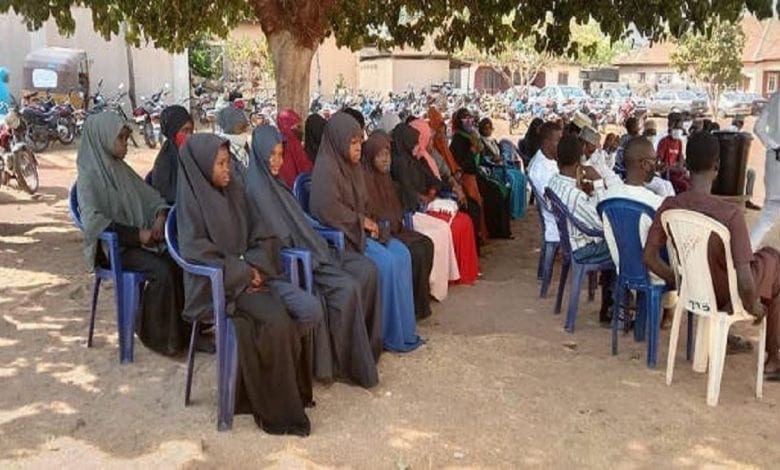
(67,133)
(37,145)
(149,137)
(26,171)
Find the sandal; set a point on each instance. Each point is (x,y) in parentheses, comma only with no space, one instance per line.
(738,345)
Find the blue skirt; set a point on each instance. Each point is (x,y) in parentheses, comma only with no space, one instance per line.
(399,325)
(517,194)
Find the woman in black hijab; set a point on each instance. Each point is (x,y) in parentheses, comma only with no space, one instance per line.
(529,145)
(349,341)
(215,228)
(176,125)
(313,129)
(384,205)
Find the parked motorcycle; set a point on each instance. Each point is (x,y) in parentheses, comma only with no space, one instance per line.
(17,160)
(113,104)
(147,117)
(47,121)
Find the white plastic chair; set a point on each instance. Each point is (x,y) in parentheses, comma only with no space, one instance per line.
(689,233)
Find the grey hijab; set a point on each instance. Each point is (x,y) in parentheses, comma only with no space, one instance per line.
(338,191)
(275,205)
(215,228)
(230,119)
(108,189)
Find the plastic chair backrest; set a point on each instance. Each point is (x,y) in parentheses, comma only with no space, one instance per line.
(73,207)
(510,153)
(624,216)
(302,190)
(541,204)
(557,204)
(689,234)
(559,212)
(172,240)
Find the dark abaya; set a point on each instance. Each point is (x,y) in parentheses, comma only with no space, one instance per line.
(215,229)
(312,135)
(349,341)
(383,204)
(111,195)
(166,165)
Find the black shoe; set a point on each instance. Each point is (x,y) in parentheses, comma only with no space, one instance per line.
(753,207)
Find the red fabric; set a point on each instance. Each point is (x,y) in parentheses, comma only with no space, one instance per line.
(295,159)
(465,246)
(670,151)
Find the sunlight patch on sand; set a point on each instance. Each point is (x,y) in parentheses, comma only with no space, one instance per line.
(67,452)
(709,457)
(292,458)
(20,325)
(50,229)
(404,438)
(16,278)
(19,240)
(5,342)
(78,375)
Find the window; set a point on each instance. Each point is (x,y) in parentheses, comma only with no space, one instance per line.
(455,77)
(563,78)
(771,84)
(664,78)
(642,77)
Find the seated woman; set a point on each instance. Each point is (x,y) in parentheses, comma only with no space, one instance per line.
(112,196)
(339,199)
(466,148)
(384,206)
(419,184)
(234,125)
(348,343)
(470,201)
(312,135)
(295,159)
(216,228)
(515,177)
(176,125)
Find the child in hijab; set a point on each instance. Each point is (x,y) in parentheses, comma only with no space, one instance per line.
(271,316)
(176,125)
(234,125)
(295,159)
(339,198)
(112,196)
(348,343)
(313,129)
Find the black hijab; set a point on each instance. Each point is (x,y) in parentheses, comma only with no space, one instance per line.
(165,170)
(313,129)
(413,175)
(338,192)
(274,204)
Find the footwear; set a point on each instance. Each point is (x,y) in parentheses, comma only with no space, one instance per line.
(737,345)
(753,207)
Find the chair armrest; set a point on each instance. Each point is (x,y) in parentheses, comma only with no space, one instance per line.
(409,220)
(292,257)
(333,237)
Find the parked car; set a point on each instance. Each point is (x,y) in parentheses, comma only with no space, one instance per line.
(682,101)
(562,95)
(732,103)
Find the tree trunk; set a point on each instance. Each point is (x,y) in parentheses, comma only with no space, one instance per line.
(292,68)
(130,69)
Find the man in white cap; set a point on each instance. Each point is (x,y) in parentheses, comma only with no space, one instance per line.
(767,129)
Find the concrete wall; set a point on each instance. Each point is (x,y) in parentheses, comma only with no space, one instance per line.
(631,75)
(376,75)
(333,64)
(419,73)
(153,67)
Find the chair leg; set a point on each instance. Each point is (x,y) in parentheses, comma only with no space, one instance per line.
(578,276)
(653,303)
(227,378)
(701,344)
(593,281)
(689,344)
(640,319)
(95,292)
(718,332)
(565,267)
(190,362)
(619,293)
(674,337)
(761,359)
(131,300)
(540,268)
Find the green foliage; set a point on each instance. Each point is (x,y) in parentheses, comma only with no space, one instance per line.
(204,62)
(712,58)
(592,47)
(249,61)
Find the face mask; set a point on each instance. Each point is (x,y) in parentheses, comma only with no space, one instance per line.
(677,133)
(180,138)
(239,140)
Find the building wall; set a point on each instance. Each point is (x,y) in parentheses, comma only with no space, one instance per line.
(335,64)
(376,75)
(651,75)
(153,67)
(419,73)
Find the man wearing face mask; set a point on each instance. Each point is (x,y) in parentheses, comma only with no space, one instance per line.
(639,159)
(176,125)
(234,125)
(670,155)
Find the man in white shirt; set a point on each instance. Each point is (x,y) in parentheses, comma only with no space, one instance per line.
(569,186)
(597,158)
(767,129)
(542,168)
(639,158)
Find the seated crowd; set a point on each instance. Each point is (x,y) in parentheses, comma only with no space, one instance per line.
(414,212)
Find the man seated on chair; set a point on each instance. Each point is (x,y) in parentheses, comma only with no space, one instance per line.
(542,168)
(581,188)
(639,158)
(758,274)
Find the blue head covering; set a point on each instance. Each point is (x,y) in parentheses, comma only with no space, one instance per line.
(5,95)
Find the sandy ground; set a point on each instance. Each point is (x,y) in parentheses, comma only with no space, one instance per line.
(499,384)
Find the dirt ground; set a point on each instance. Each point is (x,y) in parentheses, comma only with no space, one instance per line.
(499,383)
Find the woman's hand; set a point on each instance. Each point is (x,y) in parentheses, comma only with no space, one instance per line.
(146,237)
(371,227)
(158,229)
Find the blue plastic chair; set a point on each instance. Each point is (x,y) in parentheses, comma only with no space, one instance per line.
(624,216)
(226,343)
(301,191)
(562,217)
(127,286)
(547,250)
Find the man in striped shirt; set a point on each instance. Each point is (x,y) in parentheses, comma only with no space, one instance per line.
(570,185)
